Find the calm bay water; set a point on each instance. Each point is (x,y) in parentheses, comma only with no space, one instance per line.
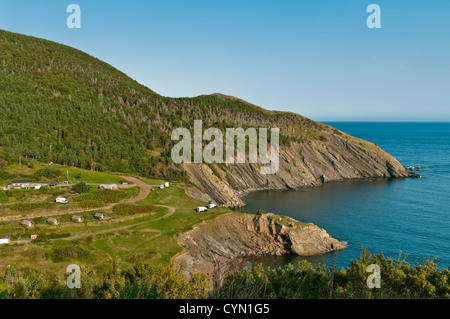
(383,215)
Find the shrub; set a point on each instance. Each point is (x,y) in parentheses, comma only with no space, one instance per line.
(3,196)
(129,209)
(104,195)
(91,203)
(48,172)
(81,187)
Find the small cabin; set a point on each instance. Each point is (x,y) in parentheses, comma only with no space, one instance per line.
(166,184)
(33,237)
(124,182)
(5,240)
(161,186)
(201,209)
(77,219)
(99,216)
(26,224)
(108,186)
(23,183)
(53,221)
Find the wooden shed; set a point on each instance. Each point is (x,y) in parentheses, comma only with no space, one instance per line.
(77,219)
(53,221)
(26,224)
(99,216)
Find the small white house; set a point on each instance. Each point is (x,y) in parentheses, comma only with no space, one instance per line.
(5,240)
(61,200)
(166,184)
(23,183)
(112,187)
(201,209)
(161,186)
(212,206)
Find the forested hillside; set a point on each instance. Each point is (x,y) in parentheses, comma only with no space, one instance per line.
(58,104)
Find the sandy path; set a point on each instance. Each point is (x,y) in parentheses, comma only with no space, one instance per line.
(144,189)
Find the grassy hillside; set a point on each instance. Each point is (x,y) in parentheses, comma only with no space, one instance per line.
(60,105)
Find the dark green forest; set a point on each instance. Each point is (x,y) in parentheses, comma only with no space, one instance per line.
(60,105)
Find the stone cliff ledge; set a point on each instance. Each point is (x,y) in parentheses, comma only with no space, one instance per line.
(229,238)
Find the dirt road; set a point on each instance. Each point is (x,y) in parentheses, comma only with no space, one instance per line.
(144,189)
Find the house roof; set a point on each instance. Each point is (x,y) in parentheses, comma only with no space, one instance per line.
(76,217)
(26,222)
(98,214)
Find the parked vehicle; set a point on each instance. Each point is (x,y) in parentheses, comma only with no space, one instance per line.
(61,200)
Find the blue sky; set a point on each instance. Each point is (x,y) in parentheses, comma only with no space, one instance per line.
(317,58)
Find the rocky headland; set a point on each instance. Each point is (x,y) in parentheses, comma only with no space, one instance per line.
(222,243)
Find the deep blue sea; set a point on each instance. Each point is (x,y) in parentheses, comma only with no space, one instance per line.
(383,215)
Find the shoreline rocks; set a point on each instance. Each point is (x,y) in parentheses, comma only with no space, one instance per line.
(308,164)
(222,243)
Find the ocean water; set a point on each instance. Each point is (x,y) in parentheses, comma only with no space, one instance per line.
(388,216)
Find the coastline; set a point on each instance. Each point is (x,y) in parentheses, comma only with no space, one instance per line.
(242,194)
(223,243)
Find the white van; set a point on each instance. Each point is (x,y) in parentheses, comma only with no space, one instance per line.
(61,200)
(201,209)
(212,206)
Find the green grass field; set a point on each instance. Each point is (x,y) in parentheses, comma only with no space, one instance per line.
(129,233)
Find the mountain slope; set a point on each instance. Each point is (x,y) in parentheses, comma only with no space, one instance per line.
(58,104)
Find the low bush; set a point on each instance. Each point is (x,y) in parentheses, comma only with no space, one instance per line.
(130,209)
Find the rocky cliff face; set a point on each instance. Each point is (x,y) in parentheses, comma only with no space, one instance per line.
(335,156)
(224,240)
